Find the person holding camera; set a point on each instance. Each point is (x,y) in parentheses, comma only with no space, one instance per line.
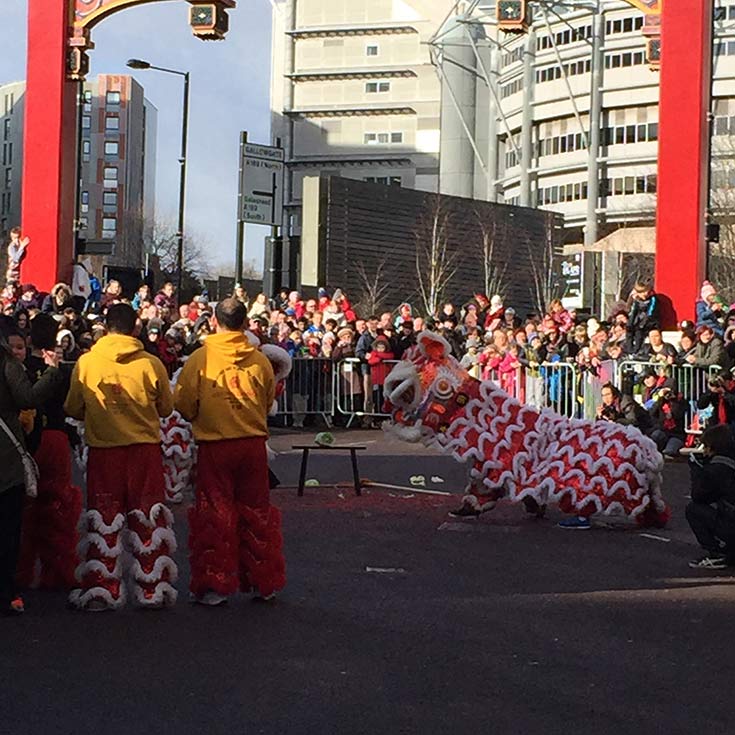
(711,512)
(719,400)
(622,409)
(668,414)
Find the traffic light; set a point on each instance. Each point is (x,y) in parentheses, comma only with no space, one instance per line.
(653,53)
(77,64)
(209,21)
(512,15)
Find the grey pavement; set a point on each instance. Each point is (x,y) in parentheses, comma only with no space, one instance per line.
(398,620)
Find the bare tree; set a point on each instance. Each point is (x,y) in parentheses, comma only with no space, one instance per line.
(545,281)
(436,263)
(374,287)
(219,269)
(159,239)
(495,272)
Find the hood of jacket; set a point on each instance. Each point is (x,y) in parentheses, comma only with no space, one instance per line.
(234,347)
(117,347)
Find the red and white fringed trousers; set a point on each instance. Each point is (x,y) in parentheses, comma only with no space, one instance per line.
(126,515)
(50,520)
(234,532)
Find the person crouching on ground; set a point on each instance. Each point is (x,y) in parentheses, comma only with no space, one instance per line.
(711,512)
(121,392)
(226,390)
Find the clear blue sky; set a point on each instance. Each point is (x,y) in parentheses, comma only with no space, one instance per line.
(230,93)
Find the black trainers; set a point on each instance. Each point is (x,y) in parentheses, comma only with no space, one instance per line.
(710,561)
(464,512)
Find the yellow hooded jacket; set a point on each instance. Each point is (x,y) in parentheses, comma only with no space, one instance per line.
(226,389)
(121,392)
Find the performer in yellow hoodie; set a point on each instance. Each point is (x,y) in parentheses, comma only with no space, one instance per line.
(121,392)
(226,389)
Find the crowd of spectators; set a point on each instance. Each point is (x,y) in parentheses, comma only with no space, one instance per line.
(490,338)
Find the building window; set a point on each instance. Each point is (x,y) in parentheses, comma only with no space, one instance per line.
(372,50)
(8,177)
(9,103)
(85,202)
(382,138)
(86,122)
(112,98)
(109,227)
(6,128)
(112,148)
(508,89)
(83,223)
(86,150)
(376,87)
(112,122)
(7,154)
(615,61)
(109,199)
(386,180)
(110,177)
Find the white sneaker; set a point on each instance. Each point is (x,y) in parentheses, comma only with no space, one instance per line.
(211,599)
(257,597)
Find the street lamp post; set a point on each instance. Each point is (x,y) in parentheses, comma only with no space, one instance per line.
(140,64)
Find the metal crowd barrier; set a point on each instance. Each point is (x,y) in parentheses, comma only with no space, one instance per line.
(309,390)
(355,395)
(321,387)
(690,381)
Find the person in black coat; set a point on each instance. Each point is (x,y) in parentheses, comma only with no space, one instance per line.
(668,414)
(711,512)
(643,316)
(623,409)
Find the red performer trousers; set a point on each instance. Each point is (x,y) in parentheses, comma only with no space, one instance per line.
(234,532)
(50,520)
(125,494)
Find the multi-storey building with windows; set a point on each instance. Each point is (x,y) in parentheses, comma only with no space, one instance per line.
(11,141)
(118,166)
(564,116)
(117,157)
(354,92)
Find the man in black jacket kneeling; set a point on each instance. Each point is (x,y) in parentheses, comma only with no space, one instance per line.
(711,513)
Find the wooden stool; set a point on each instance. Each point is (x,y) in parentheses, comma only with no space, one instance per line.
(353,449)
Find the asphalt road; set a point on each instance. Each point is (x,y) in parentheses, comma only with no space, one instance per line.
(501,625)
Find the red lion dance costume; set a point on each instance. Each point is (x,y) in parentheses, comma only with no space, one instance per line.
(521,452)
(226,390)
(121,392)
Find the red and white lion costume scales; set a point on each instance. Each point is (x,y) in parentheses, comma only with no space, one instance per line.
(520,452)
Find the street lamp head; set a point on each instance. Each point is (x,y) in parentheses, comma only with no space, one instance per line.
(138,64)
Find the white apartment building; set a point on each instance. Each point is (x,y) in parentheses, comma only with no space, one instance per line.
(354,92)
(530,127)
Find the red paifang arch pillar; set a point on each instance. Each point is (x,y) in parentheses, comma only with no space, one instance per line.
(683,157)
(49,145)
(58,41)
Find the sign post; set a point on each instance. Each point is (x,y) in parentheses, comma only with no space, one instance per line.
(260,198)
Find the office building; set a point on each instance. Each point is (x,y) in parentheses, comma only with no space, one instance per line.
(354,93)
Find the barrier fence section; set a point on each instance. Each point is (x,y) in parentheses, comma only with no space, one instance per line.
(359,388)
(309,390)
(690,381)
(353,389)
